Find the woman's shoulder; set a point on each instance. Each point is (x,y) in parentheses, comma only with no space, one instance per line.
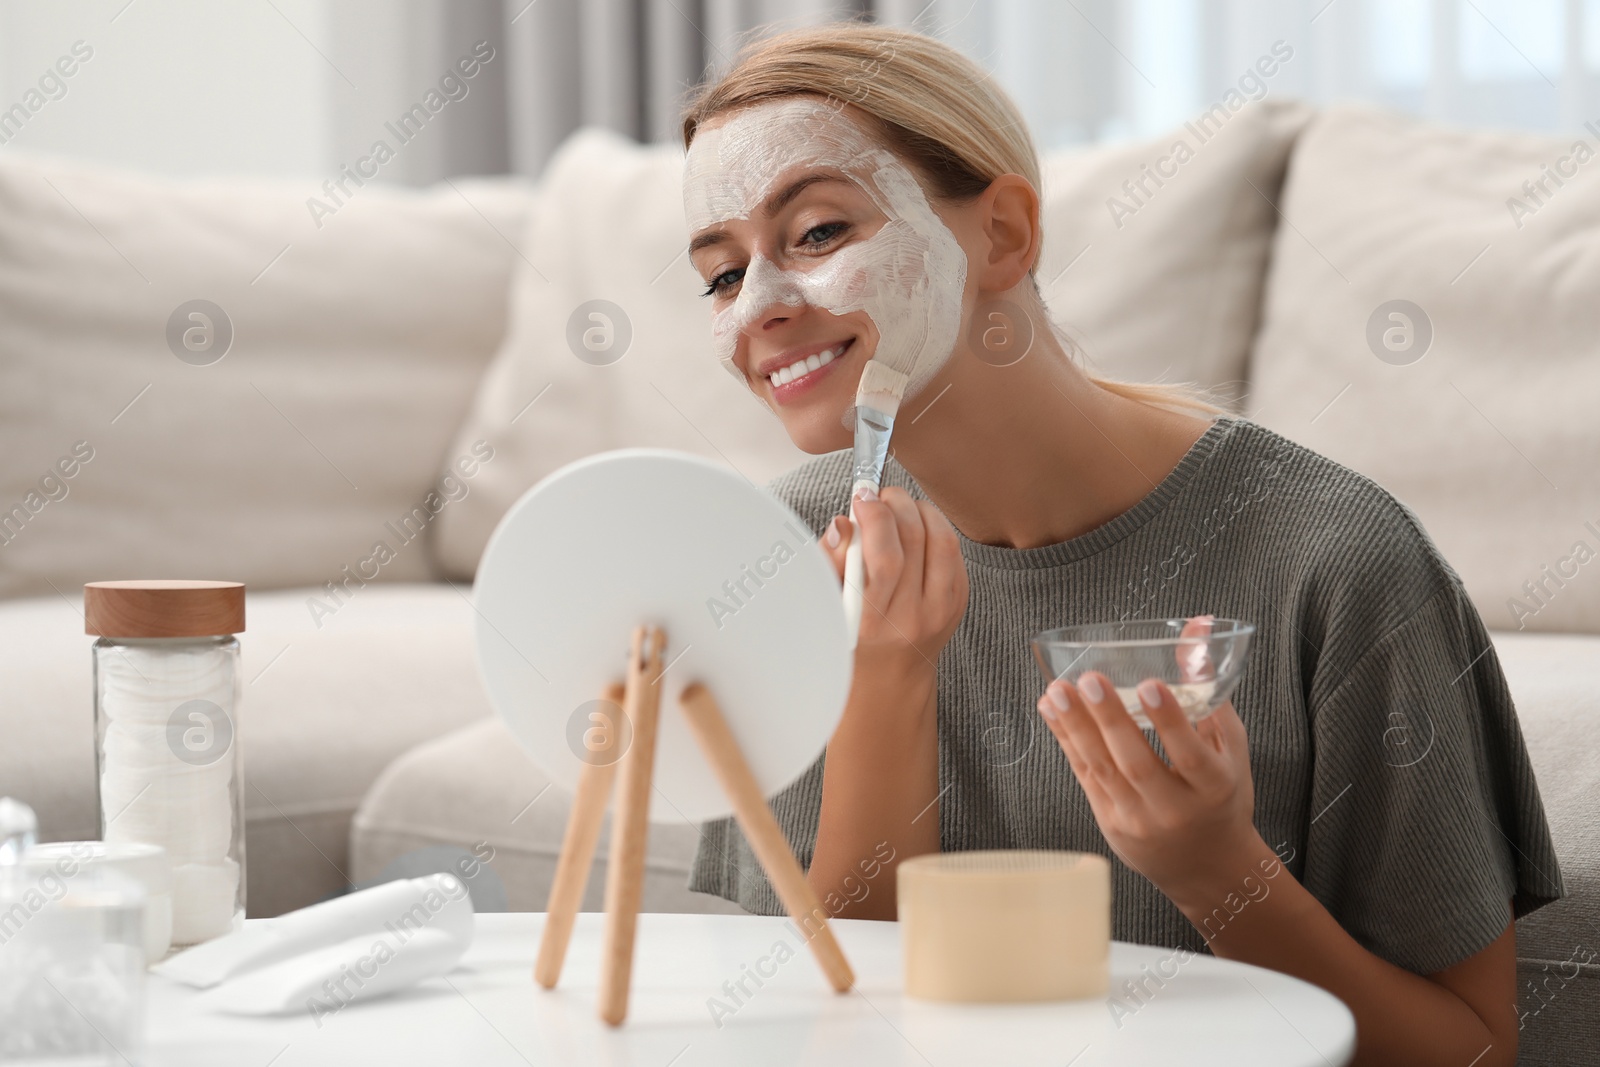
(1337,521)
(1359,562)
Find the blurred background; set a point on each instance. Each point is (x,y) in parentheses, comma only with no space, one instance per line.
(296,88)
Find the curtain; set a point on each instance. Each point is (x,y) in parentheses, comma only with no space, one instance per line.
(302,87)
(626,64)
(1084,70)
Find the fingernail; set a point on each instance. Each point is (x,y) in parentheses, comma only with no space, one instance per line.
(1149,693)
(1048,710)
(1092,689)
(866,492)
(1058,698)
(832,536)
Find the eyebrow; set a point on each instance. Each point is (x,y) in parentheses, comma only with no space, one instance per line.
(774,204)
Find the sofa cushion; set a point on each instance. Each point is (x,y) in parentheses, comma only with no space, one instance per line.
(1552,681)
(477,789)
(609,227)
(1558,969)
(1169,288)
(323,710)
(357,339)
(1473,401)
(1159,278)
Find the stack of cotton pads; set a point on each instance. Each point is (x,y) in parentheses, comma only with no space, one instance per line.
(167,771)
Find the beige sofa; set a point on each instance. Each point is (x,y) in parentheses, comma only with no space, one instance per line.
(401,373)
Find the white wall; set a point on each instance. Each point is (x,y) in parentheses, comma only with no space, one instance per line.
(290,88)
(178,86)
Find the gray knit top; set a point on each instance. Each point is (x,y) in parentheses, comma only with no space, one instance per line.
(1389,768)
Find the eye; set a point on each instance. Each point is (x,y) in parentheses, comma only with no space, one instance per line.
(827,230)
(721,282)
(817,237)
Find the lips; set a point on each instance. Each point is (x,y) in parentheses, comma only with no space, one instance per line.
(798,368)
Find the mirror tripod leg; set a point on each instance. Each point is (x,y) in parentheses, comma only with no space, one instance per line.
(578,844)
(761,829)
(631,823)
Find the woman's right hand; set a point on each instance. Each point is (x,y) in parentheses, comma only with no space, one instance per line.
(916,581)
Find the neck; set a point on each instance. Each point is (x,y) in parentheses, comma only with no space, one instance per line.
(1034,453)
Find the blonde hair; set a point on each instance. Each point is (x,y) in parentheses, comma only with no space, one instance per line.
(935,107)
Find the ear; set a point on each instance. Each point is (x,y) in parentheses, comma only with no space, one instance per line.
(1008,212)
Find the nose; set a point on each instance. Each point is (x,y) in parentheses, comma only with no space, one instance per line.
(767,295)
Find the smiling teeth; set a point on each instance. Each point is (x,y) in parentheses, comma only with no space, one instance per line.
(800,368)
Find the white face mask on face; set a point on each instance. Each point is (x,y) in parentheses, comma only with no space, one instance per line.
(908,277)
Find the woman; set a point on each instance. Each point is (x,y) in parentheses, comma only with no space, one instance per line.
(854,191)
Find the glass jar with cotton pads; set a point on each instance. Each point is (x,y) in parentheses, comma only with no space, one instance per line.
(170,770)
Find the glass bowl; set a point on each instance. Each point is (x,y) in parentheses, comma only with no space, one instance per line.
(1199,659)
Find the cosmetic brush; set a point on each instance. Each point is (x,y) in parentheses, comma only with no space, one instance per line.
(877,402)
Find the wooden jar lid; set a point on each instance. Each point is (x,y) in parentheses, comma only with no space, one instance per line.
(1005,926)
(163,608)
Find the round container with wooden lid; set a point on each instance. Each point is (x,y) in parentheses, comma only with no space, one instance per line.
(1005,926)
(166,680)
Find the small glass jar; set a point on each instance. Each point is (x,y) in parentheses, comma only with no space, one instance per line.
(170,769)
(146,864)
(72,960)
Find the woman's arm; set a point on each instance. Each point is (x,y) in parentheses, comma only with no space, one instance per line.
(1462,1015)
(1187,827)
(880,781)
(880,790)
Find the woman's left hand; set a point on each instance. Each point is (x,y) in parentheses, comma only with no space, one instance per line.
(1187,827)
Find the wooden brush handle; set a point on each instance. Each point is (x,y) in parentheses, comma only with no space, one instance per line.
(855,581)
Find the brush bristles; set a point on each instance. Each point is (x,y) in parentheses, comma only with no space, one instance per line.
(881,387)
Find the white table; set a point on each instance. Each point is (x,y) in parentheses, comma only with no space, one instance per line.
(488,1011)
